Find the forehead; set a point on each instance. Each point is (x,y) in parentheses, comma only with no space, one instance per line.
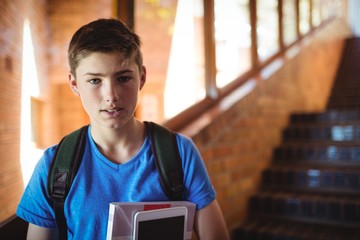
(110,60)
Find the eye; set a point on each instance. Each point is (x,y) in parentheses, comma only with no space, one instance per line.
(94,81)
(123,79)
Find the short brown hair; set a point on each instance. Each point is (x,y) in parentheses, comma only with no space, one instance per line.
(104,35)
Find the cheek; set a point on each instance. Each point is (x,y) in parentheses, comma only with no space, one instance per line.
(130,91)
(133,93)
(88,99)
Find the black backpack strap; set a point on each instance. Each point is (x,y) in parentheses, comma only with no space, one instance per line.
(62,172)
(167,160)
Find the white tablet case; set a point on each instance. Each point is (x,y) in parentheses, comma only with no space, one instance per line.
(165,223)
(121,217)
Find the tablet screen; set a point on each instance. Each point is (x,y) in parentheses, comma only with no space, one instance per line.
(163,224)
(162,229)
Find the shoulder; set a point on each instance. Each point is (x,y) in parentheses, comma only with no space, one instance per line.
(196,178)
(190,155)
(187,147)
(46,158)
(50,151)
(184,141)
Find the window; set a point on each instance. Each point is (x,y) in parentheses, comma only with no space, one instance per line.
(304,16)
(267,28)
(173,48)
(173,34)
(232,39)
(334,8)
(289,21)
(316,14)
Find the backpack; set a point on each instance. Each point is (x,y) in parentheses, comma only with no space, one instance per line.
(69,153)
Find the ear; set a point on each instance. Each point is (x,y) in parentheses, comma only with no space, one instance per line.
(73,84)
(142,77)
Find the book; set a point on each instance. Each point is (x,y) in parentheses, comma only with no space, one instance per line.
(121,217)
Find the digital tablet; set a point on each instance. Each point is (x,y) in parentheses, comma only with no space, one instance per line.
(160,224)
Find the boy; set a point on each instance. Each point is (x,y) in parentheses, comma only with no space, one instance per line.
(107,73)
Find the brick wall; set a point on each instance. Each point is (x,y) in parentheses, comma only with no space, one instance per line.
(65,112)
(238,145)
(51,22)
(12,16)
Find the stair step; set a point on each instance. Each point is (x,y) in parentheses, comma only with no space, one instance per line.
(336,132)
(349,84)
(343,211)
(328,116)
(344,102)
(334,180)
(346,91)
(338,153)
(289,230)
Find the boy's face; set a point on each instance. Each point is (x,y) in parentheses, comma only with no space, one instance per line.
(108,85)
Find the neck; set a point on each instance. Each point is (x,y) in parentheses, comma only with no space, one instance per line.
(121,144)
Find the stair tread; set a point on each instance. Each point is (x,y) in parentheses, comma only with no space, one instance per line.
(325,168)
(319,144)
(317,163)
(337,115)
(330,209)
(329,124)
(307,196)
(280,229)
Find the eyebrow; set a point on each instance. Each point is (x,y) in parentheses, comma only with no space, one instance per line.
(101,74)
(93,74)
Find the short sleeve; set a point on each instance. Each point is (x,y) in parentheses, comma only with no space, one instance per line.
(199,188)
(35,206)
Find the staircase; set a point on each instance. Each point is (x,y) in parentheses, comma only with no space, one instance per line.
(312,188)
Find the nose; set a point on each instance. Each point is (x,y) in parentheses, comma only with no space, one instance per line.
(110,93)
(111,100)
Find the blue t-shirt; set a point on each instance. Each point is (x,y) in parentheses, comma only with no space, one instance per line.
(100,182)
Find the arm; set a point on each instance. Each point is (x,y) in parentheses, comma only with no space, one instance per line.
(40,233)
(210,224)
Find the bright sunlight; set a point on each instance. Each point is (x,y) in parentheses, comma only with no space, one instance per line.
(30,88)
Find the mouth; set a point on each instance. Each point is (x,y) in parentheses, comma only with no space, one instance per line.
(113,112)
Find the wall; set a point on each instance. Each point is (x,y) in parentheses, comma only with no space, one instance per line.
(51,22)
(238,145)
(12,16)
(65,112)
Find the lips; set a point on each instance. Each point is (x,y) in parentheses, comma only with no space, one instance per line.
(112,112)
